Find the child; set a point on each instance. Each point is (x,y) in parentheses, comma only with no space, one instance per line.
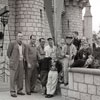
(52,78)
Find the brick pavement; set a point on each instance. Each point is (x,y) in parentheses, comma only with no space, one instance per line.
(36,96)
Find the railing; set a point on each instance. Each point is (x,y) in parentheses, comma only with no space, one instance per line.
(4,75)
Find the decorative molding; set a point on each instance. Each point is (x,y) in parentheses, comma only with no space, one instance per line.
(80,3)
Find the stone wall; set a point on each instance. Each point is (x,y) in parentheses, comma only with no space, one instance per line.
(72,20)
(31,18)
(84,84)
(25,16)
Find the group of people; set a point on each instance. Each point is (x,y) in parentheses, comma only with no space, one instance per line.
(50,62)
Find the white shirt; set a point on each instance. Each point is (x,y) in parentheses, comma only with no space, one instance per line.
(20,52)
(50,51)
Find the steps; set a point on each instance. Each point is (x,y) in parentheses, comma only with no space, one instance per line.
(4,87)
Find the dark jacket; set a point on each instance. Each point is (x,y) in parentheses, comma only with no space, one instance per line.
(77,43)
(82,56)
(45,64)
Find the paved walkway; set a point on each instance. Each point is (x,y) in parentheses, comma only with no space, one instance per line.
(36,96)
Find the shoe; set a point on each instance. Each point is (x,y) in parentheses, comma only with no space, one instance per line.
(51,96)
(13,95)
(33,91)
(65,84)
(28,93)
(20,93)
(47,96)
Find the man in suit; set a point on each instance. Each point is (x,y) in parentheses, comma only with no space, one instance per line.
(16,54)
(31,67)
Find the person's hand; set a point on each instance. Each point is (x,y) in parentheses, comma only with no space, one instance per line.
(29,65)
(84,55)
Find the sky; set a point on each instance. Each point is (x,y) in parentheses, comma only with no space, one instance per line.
(95,10)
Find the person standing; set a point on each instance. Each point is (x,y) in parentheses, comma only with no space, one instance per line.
(16,53)
(31,66)
(50,51)
(42,68)
(76,40)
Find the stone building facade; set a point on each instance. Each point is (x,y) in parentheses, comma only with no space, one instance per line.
(68,18)
(27,16)
(31,17)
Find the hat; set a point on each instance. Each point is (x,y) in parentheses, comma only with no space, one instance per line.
(69,36)
(49,38)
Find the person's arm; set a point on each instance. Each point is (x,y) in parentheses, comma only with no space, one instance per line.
(27,56)
(39,56)
(10,50)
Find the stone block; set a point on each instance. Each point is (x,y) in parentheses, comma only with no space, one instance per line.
(75,86)
(96,80)
(29,24)
(89,79)
(85,96)
(67,98)
(94,97)
(30,29)
(98,90)
(73,94)
(92,89)
(22,24)
(79,77)
(63,98)
(71,83)
(82,88)
(64,92)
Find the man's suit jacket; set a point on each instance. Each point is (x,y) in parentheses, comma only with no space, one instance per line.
(13,54)
(31,56)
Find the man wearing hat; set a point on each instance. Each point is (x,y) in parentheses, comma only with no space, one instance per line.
(68,52)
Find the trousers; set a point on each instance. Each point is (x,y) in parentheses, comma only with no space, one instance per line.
(30,78)
(16,78)
(52,82)
(65,65)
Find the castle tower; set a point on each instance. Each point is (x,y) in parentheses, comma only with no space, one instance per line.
(72,18)
(29,17)
(88,23)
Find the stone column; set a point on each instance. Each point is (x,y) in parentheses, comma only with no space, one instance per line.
(72,18)
(88,23)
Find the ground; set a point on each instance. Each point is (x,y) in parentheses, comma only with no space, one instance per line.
(36,96)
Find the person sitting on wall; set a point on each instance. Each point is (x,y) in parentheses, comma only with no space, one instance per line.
(67,54)
(96,54)
(76,40)
(84,56)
